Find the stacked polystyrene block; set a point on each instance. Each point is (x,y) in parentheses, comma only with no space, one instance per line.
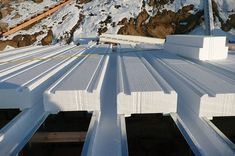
(25,78)
(141,87)
(202,90)
(197,47)
(80,87)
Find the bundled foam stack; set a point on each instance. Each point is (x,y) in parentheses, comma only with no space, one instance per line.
(141,87)
(197,47)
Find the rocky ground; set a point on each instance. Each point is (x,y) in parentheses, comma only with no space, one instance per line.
(85,18)
(24,39)
(168,22)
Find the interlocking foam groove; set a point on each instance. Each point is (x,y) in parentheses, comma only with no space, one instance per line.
(80,87)
(203,88)
(197,47)
(140,88)
(26,77)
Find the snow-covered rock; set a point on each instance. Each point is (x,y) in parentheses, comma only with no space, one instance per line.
(88,19)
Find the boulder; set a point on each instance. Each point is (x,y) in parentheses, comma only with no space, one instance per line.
(20,40)
(102,30)
(160,31)
(6,11)
(141,18)
(232,20)
(129,28)
(47,40)
(5,1)
(26,40)
(189,23)
(163,23)
(124,21)
(4,44)
(3,27)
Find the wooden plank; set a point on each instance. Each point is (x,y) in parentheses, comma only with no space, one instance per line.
(36,19)
(231,46)
(58,137)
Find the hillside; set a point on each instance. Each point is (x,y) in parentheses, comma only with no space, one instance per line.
(89,18)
